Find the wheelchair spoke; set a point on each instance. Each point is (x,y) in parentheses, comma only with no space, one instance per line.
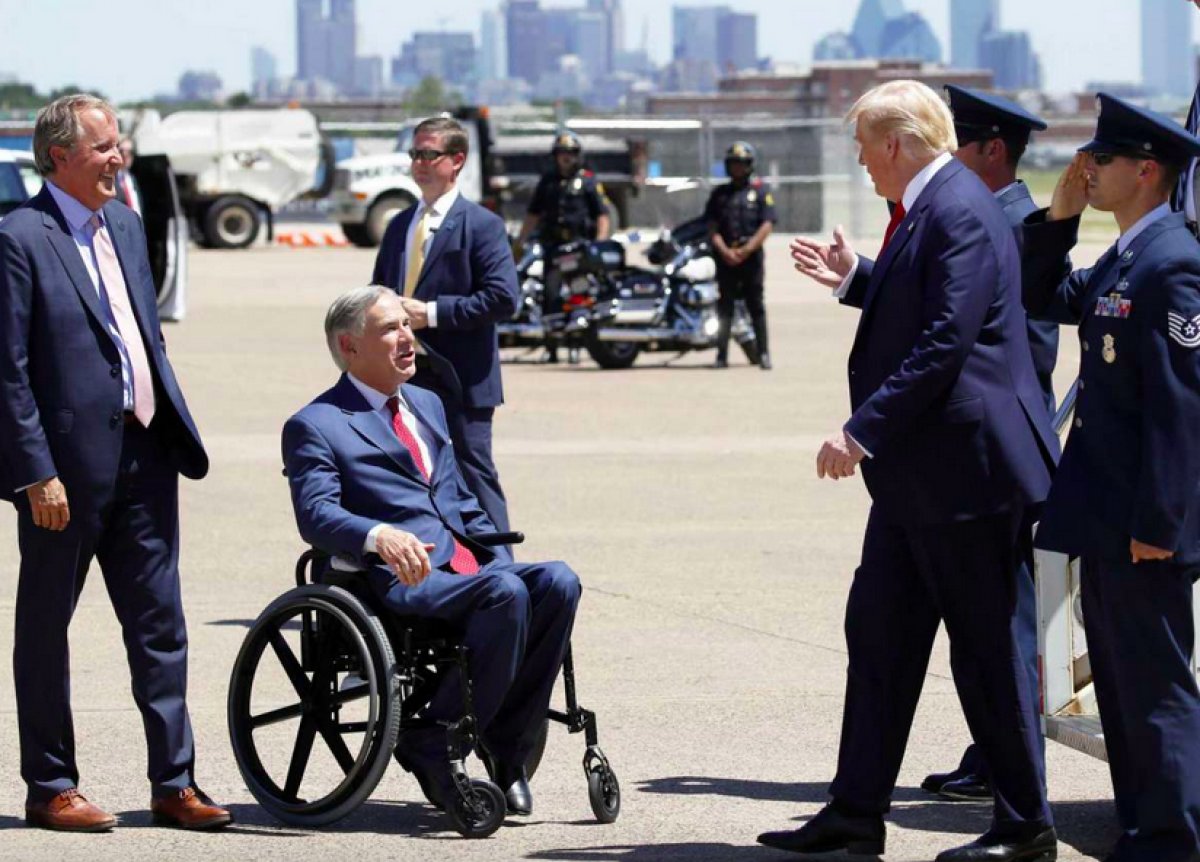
(291,665)
(355,692)
(300,756)
(337,746)
(276,715)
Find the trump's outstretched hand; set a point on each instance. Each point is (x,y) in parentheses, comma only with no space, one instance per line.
(824,263)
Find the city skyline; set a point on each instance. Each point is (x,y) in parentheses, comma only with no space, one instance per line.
(218,36)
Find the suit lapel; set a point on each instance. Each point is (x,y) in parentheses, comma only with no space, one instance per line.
(899,240)
(372,427)
(64,246)
(440,440)
(441,239)
(905,229)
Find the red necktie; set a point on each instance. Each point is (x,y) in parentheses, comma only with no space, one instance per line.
(897,217)
(463,562)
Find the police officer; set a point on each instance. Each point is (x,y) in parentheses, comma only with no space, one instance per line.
(568,204)
(740,216)
(1126,498)
(992,136)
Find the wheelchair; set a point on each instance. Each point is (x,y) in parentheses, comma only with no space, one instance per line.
(327,679)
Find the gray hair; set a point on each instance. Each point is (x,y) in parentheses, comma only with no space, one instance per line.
(348,315)
(58,125)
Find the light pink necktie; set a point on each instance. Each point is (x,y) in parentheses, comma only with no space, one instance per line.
(122,310)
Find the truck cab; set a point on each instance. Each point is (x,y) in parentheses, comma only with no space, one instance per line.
(369,191)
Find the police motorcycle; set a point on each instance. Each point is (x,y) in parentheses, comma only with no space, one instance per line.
(524,328)
(590,272)
(670,308)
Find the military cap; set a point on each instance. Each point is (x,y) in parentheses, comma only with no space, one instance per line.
(1127,130)
(980,116)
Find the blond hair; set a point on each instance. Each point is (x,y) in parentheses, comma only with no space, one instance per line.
(910,110)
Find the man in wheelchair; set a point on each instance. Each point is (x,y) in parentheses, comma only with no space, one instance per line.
(374,482)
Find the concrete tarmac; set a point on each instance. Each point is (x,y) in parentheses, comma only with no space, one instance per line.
(709,641)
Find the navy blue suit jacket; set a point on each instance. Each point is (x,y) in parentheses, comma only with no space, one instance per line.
(470,273)
(348,472)
(1131,466)
(1043,334)
(61,399)
(942,385)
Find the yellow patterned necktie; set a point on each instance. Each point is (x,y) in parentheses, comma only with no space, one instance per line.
(416,260)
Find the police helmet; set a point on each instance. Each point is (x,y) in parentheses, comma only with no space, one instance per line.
(740,151)
(566,142)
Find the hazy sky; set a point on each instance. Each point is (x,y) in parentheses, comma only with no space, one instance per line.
(54,42)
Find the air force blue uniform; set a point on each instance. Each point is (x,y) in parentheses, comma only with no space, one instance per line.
(946,401)
(349,472)
(62,414)
(1131,470)
(470,273)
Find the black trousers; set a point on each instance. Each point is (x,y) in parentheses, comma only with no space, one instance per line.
(743,282)
(1140,635)
(910,579)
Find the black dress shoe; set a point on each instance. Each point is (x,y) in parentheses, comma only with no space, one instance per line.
(936,780)
(969,788)
(721,362)
(515,784)
(831,830)
(764,362)
(1042,847)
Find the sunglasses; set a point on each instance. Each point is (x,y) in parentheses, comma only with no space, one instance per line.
(427,155)
(1103,160)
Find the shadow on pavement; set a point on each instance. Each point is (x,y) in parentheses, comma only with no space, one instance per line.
(697,852)
(1087,826)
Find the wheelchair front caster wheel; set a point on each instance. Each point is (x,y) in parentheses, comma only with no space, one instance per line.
(478,813)
(604,792)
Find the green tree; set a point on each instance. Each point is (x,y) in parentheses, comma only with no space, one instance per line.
(239,100)
(431,96)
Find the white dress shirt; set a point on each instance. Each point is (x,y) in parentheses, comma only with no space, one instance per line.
(437,214)
(378,402)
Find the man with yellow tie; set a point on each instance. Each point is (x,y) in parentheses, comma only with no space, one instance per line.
(450,260)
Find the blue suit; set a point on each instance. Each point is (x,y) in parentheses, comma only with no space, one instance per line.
(945,399)
(61,414)
(348,472)
(1043,344)
(469,272)
(1043,334)
(1131,469)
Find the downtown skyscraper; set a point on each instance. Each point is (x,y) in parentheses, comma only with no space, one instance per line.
(1167,48)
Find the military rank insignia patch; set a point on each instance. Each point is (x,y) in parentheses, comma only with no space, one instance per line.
(1184,331)
(1113,306)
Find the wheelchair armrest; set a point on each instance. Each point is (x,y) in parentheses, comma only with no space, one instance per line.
(491,540)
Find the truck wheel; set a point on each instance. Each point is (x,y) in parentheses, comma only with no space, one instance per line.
(381,213)
(231,223)
(357,234)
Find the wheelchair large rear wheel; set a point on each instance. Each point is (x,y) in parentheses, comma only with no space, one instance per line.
(314,707)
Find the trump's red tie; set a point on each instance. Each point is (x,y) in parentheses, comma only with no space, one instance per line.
(463,562)
(897,217)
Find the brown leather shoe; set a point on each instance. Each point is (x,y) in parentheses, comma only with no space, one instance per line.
(189,809)
(69,812)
